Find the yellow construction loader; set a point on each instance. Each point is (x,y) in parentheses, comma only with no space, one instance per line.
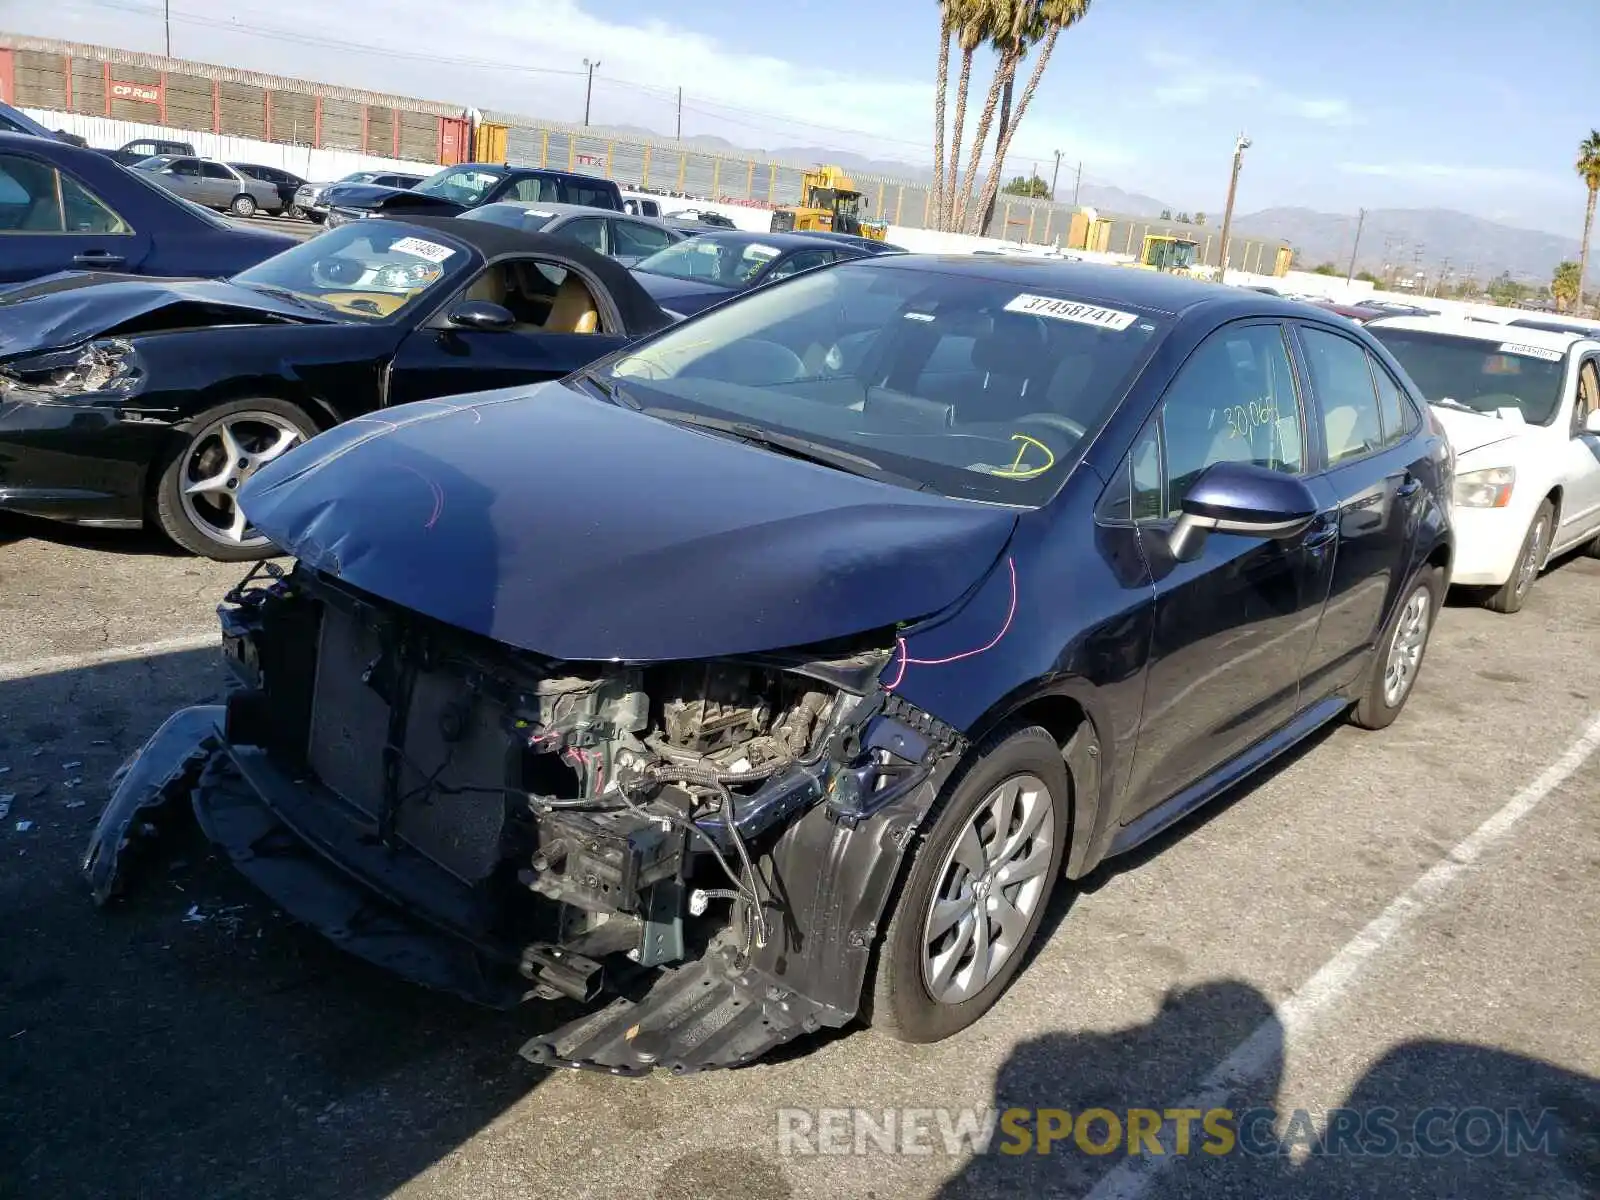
(830,204)
(1173,253)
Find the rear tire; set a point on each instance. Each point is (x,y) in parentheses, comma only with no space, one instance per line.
(1510,595)
(194,501)
(1399,659)
(964,870)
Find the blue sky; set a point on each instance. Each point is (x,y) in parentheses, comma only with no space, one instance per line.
(1409,103)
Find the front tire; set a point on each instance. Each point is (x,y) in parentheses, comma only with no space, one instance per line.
(976,890)
(243,206)
(195,498)
(1510,595)
(1399,661)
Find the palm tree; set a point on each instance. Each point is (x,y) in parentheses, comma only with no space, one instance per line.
(1056,16)
(941,92)
(972,20)
(1564,285)
(1012,25)
(1588,167)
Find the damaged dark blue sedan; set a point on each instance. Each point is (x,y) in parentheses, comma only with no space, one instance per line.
(773,671)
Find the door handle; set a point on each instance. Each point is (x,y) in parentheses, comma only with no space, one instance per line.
(97,258)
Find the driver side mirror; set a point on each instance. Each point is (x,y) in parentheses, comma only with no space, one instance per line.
(483,316)
(1231,497)
(1591,423)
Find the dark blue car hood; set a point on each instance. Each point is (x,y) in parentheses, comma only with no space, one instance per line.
(62,310)
(691,294)
(372,197)
(578,529)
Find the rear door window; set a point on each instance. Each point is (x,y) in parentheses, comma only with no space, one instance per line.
(1351,425)
(595,195)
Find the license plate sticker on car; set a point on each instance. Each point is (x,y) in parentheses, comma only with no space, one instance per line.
(1531,352)
(432,251)
(1071,310)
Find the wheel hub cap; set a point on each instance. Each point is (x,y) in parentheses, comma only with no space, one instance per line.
(219,460)
(1405,652)
(990,885)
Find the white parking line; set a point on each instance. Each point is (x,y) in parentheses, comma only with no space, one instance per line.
(94,658)
(1133,1178)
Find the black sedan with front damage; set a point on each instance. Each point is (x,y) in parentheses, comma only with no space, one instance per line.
(774,671)
(124,400)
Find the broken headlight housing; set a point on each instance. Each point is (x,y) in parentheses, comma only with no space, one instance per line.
(109,367)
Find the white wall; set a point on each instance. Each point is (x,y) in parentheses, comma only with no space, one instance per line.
(315,165)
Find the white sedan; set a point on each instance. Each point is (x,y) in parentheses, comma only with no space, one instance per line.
(1522,409)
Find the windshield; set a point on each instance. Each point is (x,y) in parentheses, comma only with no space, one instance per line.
(708,258)
(1485,376)
(464,185)
(365,270)
(512,216)
(155,162)
(967,386)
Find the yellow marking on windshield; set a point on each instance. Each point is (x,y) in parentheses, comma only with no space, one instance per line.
(1016,470)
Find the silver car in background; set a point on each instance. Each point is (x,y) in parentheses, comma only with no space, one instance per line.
(312,201)
(212,184)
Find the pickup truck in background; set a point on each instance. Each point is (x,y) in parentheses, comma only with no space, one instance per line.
(143,148)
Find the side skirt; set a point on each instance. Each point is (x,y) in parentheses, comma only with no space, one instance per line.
(1230,773)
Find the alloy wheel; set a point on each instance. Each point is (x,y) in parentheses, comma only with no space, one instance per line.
(1405,651)
(990,884)
(220,458)
(1528,568)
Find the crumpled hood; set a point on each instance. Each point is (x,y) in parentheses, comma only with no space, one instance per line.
(63,310)
(1473,431)
(579,529)
(372,197)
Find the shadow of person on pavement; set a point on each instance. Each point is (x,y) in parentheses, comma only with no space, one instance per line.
(1429,1118)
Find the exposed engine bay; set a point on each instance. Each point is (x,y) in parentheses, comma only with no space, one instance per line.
(711,840)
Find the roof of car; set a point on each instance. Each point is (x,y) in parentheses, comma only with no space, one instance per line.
(1156,291)
(1481,331)
(778,241)
(572,210)
(492,241)
(508,167)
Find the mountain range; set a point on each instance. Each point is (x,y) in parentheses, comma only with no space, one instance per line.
(1422,239)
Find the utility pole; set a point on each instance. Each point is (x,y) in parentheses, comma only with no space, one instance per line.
(1361,220)
(1077,185)
(588,91)
(1055,175)
(166,20)
(1239,147)
(679,135)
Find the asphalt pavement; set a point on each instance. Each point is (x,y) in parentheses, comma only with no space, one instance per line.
(1402,921)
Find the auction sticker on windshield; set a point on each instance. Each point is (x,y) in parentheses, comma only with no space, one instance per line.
(1531,352)
(1071,310)
(432,251)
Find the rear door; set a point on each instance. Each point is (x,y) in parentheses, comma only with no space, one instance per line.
(1232,626)
(1373,470)
(50,221)
(219,184)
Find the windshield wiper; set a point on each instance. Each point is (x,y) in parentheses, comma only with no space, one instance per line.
(788,444)
(1452,402)
(292,297)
